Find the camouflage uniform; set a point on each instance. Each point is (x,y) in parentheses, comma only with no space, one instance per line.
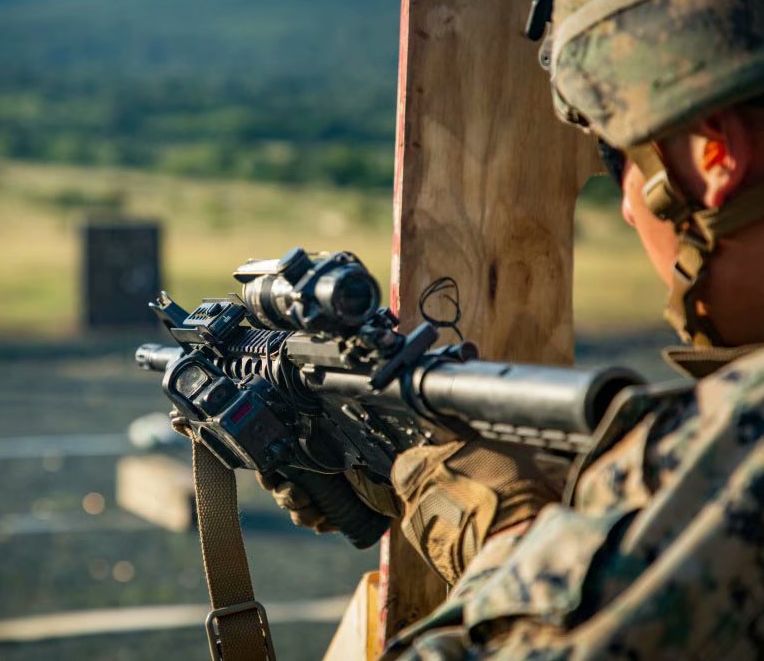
(662,555)
(659,551)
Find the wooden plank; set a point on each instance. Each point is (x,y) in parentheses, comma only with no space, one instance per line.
(159,489)
(356,637)
(485,185)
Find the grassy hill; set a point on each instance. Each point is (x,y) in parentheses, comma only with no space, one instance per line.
(286,90)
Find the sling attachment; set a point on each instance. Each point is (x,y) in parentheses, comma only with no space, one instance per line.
(237,627)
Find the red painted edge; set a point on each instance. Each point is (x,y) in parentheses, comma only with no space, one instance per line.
(395,267)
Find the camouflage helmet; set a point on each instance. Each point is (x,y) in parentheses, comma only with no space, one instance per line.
(634,70)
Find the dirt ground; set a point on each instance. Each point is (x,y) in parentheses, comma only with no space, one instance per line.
(57,557)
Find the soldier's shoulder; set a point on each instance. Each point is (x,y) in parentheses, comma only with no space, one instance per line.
(658,430)
(700,449)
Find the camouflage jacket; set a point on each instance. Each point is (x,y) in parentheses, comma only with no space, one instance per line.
(660,557)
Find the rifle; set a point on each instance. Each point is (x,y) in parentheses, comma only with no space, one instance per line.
(304,375)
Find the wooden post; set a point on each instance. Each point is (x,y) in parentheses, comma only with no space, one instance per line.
(486,180)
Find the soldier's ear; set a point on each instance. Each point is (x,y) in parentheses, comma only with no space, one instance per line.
(722,151)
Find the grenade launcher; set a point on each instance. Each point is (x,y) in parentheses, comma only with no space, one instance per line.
(305,375)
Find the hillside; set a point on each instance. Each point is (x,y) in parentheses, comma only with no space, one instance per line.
(287,90)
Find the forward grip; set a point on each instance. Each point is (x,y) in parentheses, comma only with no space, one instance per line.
(335,498)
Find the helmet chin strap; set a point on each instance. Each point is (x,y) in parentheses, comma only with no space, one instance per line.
(698,230)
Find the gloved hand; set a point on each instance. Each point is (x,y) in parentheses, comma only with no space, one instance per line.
(297,502)
(458,494)
(291,497)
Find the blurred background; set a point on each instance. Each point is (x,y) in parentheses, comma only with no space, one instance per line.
(146,143)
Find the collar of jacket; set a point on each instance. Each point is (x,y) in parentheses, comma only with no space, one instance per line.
(700,362)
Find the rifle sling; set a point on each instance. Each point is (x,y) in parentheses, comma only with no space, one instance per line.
(242,627)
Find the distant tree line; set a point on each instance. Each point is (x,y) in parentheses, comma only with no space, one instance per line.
(280,132)
(291,91)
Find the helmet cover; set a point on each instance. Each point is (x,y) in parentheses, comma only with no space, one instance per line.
(634,70)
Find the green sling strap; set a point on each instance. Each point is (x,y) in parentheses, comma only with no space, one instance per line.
(237,627)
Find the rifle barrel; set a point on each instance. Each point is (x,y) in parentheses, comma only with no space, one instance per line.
(564,399)
(569,400)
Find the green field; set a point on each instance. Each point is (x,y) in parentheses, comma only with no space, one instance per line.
(212,226)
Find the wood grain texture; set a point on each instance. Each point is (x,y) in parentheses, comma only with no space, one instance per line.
(485,185)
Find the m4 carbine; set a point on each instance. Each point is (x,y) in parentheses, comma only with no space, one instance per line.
(305,376)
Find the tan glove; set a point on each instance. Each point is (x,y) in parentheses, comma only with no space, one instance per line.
(458,494)
(379,497)
(291,497)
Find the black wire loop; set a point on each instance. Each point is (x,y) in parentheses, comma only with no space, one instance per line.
(445,288)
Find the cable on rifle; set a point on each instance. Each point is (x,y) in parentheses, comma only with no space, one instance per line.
(448,289)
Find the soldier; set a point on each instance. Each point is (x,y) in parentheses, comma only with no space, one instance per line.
(660,551)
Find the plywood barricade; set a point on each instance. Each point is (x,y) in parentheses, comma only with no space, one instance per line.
(486,180)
